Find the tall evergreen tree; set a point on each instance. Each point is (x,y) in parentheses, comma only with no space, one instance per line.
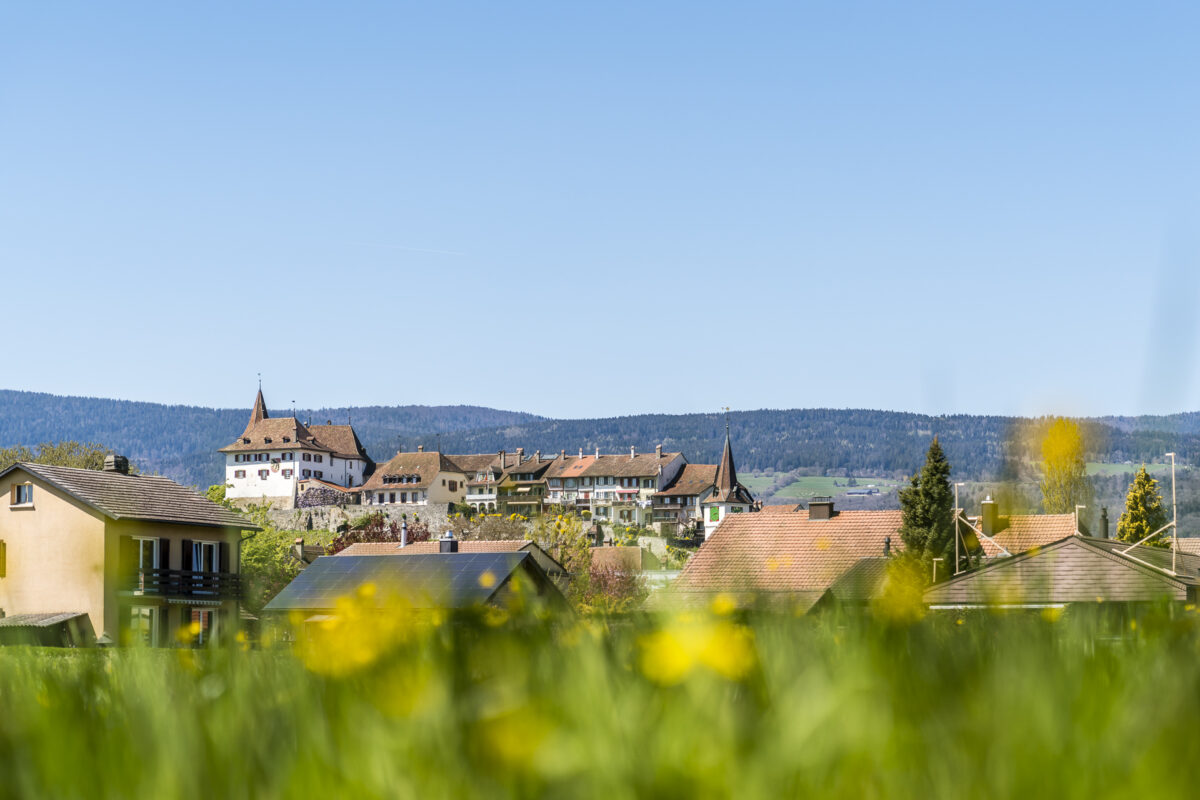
(1064,471)
(926,506)
(1144,512)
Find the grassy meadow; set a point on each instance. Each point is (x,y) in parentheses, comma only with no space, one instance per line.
(676,705)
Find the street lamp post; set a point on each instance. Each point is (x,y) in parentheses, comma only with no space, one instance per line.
(1174,516)
(957,514)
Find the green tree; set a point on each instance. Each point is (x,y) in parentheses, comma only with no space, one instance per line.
(564,539)
(926,506)
(83,455)
(1144,513)
(1064,470)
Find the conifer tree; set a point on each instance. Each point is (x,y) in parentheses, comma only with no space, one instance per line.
(1144,512)
(926,507)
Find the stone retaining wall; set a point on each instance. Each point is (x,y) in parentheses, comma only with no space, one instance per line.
(330,518)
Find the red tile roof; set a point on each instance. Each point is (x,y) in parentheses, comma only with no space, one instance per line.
(1020,532)
(693,479)
(788,508)
(787,553)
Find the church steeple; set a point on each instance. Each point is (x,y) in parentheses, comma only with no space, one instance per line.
(727,482)
(259,413)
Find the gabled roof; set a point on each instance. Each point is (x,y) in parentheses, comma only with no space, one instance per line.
(570,467)
(425,466)
(421,581)
(147,498)
(534,467)
(1189,545)
(862,582)
(39,620)
(480,462)
(787,552)
(627,559)
(341,440)
(640,465)
(693,479)
(1019,532)
(1077,569)
(418,548)
(787,508)
(283,433)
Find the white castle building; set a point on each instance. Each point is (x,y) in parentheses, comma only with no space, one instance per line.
(273,455)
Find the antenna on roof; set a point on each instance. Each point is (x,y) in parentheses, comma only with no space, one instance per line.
(260,381)
(726,420)
(293,409)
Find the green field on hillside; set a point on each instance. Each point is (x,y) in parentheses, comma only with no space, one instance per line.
(812,486)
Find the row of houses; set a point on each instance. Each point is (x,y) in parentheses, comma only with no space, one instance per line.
(283,460)
(807,558)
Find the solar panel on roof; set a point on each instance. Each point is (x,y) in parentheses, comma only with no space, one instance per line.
(423,580)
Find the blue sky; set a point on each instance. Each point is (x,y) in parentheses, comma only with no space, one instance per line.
(596,209)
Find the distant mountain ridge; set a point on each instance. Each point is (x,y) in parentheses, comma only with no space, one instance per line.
(181,441)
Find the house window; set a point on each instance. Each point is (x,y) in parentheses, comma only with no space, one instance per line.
(22,495)
(307,473)
(307,457)
(143,625)
(404,497)
(319,474)
(239,473)
(206,620)
(392,497)
(454,486)
(318,458)
(263,473)
(714,514)
(287,473)
(647,483)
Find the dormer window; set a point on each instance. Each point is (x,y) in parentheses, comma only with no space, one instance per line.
(246,440)
(266,440)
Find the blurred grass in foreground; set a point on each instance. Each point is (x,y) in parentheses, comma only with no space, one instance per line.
(681,705)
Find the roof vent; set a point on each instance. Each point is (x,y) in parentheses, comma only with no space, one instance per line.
(116,463)
(448,544)
(420,448)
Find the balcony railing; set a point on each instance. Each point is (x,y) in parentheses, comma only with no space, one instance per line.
(179,583)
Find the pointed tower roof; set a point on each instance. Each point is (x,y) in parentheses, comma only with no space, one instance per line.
(728,489)
(258,413)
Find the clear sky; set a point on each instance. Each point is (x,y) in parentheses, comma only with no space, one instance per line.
(594,209)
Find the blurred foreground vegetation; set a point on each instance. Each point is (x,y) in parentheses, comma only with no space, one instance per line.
(691,704)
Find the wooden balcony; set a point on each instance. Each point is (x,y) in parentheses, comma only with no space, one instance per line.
(178,583)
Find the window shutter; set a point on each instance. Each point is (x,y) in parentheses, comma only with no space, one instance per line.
(12,495)
(127,559)
(185,555)
(3,560)
(164,553)
(223,557)
(164,629)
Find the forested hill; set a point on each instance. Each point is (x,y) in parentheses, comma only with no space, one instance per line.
(862,441)
(181,441)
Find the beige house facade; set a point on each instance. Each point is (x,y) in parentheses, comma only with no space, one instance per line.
(141,556)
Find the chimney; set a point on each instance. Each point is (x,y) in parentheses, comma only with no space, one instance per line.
(1103,522)
(502,455)
(989,517)
(404,533)
(632,452)
(581,452)
(563,454)
(537,456)
(298,549)
(820,508)
(448,544)
(116,463)
(328,422)
(420,448)
(520,455)
(887,546)
(658,450)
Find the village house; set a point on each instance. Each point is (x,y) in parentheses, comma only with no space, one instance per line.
(271,458)
(417,478)
(548,563)
(522,488)
(484,472)
(621,485)
(137,556)
(568,485)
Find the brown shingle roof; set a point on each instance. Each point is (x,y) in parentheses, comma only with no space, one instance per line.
(279,429)
(570,466)
(426,466)
(693,479)
(1019,532)
(471,463)
(642,465)
(787,552)
(787,508)
(140,497)
(340,439)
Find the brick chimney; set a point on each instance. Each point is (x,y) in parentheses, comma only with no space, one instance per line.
(658,450)
(989,517)
(116,463)
(820,508)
